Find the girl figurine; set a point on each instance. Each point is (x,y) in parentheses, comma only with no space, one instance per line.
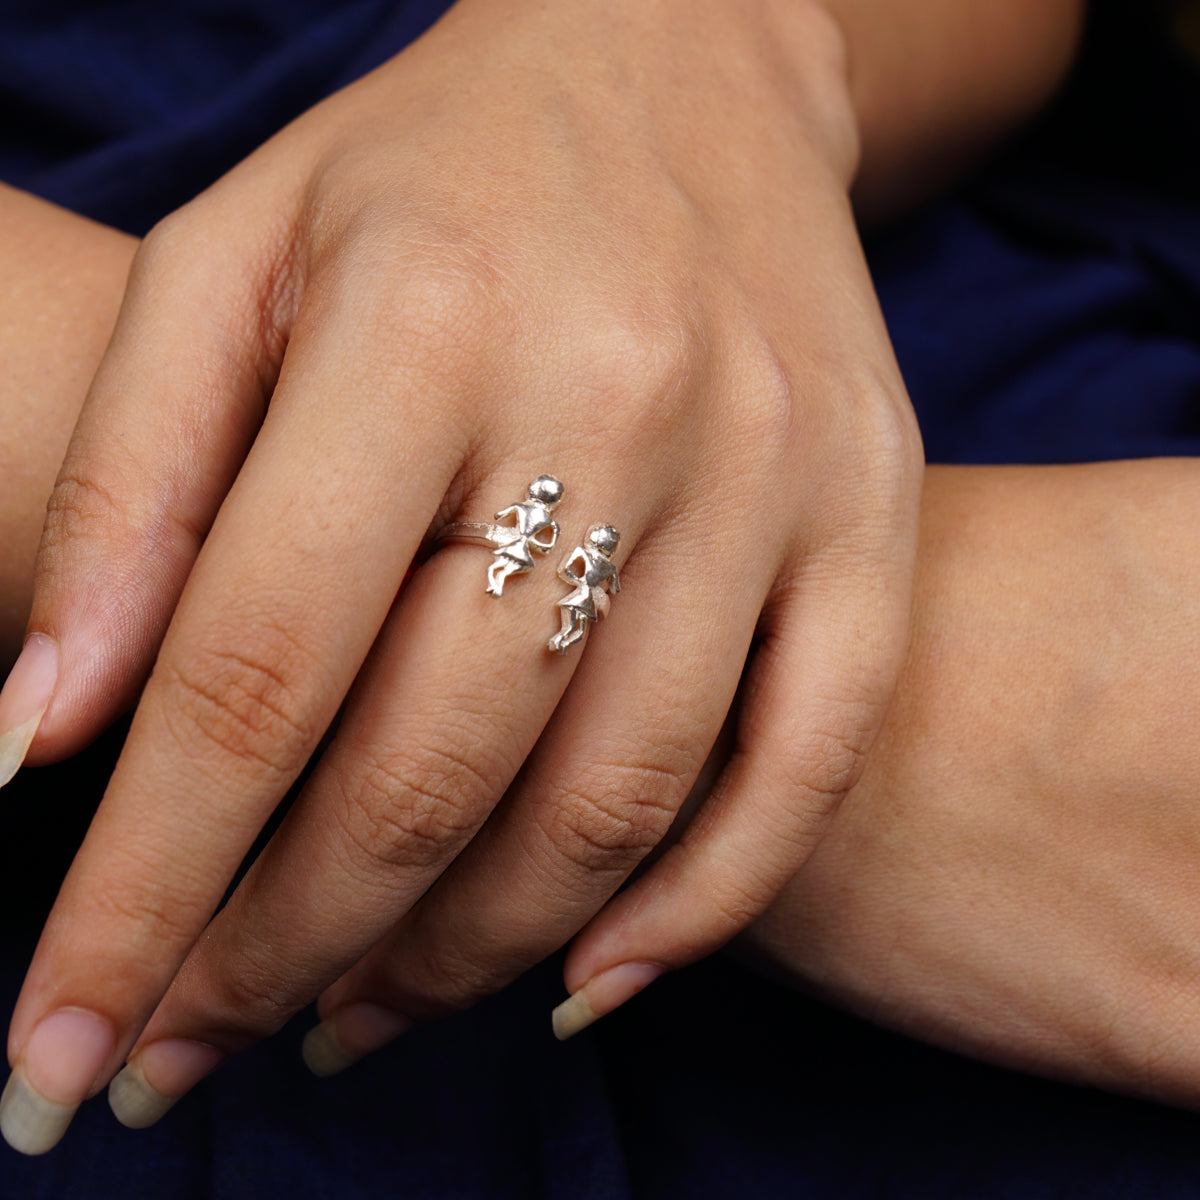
(596,576)
(514,544)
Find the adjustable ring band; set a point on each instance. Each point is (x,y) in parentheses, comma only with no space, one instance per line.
(532,531)
(467,531)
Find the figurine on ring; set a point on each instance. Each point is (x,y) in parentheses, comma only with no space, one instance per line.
(594,577)
(514,544)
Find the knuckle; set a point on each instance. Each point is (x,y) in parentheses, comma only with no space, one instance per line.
(252,703)
(105,519)
(447,300)
(854,418)
(442,978)
(652,354)
(409,811)
(174,258)
(153,923)
(424,286)
(163,242)
(241,293)
(637,365)
(98,497)
(424,315)
(768,415)
(867,499)
(612,818)
(881,441)
(104,502)
(247,1000)
(898,435)
(831,765)
(886,454)
(83,505)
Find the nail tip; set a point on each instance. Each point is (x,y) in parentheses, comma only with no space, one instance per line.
(572,1016)
(135,1103)
(323,1055)
(24,699)
(601,995)
(30,1123)
(14,746)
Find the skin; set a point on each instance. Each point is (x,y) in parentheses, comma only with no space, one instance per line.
(936,84)
(1014,877)
(64,277)
(1030,901)
(686,342)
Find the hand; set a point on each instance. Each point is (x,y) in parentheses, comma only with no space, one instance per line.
(608,242)
(1014,876)
(63,279)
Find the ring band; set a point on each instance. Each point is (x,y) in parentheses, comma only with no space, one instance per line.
(532,531)
(466,531)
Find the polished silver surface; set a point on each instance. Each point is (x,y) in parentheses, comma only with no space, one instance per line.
(593,578)
(532,531)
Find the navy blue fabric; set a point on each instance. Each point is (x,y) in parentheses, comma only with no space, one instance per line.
(125,110)
(1046,312)
(1051,310)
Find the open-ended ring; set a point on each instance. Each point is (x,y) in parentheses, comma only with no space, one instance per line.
(531,531)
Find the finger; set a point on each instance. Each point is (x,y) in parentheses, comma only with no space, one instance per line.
(815,697)
(599,793)
(832,645)
(167,421)
(291,589)
(429,741)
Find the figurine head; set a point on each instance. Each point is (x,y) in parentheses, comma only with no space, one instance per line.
(546,490)
(604,538)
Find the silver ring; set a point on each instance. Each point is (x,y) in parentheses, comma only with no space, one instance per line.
(532,531)
(590,573)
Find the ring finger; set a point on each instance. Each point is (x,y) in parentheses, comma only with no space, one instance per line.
(599,793)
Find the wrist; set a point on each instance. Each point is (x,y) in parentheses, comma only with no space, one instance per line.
(691,66)
(803,48)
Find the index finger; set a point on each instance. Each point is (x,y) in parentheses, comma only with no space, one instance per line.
(280,611)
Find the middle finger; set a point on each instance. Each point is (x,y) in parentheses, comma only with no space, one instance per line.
(288,594)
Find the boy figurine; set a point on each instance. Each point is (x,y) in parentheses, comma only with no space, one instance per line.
(594,577)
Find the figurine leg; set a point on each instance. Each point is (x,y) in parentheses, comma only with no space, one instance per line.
(498,572)
(571,632)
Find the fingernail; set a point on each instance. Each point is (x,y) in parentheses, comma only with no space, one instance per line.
(157,1077)
(349,1034)
(600,995)
(24,700)
(57,1071)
